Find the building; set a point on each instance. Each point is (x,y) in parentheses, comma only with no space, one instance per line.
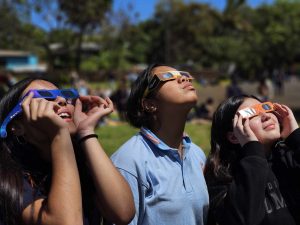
(20,61)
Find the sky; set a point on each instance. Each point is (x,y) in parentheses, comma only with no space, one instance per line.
(146,8)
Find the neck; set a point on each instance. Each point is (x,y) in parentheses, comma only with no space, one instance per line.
(170,127)
(268,148)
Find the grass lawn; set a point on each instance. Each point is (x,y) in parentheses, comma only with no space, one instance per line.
(112,137)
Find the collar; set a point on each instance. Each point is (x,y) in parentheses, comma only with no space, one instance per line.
(186,141)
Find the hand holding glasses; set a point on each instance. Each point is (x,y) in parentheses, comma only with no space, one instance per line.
(69,94)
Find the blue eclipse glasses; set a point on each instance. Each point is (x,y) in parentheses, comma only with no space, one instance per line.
(68,94)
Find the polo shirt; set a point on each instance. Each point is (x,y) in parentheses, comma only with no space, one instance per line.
(167,190)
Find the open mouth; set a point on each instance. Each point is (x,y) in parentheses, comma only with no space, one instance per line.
(64,115)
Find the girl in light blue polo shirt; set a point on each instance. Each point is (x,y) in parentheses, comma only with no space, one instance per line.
(163,167)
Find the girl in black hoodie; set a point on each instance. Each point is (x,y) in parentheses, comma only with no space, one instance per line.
(253,169)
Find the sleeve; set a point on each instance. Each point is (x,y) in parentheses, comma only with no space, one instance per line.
(287,155)
(287,171)
(242,201)
(30,194)
(293,142)
(138,191)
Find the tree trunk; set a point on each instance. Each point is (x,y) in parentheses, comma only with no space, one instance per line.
(78,49)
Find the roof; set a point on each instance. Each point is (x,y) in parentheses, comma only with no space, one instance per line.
(13,53)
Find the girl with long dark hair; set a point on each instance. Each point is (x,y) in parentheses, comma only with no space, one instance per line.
(39,178)
(253,169)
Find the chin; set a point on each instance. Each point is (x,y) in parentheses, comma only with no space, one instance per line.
(194,101)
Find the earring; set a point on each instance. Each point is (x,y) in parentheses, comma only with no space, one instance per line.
(153,109)
(150,109)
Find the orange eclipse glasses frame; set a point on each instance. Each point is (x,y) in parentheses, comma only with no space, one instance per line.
(256,109)
(157,78)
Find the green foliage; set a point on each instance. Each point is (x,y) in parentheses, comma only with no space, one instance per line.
(180,32)
(84,14)
(15,32)
(90,65)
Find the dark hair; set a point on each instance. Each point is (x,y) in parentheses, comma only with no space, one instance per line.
(19,161)
(15,159)
(223,153)
(135,114)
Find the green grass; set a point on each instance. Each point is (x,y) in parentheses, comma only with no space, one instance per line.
(112,137)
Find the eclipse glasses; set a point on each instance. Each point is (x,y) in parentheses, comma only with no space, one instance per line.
(256,109)
(69,94)
(157,78)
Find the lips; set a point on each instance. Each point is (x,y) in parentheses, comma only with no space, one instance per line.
(269,126)
(64,114)
(188,85)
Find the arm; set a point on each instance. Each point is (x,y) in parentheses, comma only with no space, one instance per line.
(63,204)
(243,199)
(291,134)
(138,195)
(114,197)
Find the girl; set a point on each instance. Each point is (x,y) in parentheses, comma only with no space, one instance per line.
(253,168)
(39,177)
(161,164)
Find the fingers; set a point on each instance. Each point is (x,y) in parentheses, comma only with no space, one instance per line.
(281,110)
(238,123)
(78,107)
(41,108)
(242,130)
(26,106)
(34,108)
(110,104)
(92,101)
(247,128)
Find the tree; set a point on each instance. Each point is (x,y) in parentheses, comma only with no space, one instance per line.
(16,31)
(84,16)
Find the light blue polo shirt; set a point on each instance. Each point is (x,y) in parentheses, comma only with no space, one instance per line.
(167,190)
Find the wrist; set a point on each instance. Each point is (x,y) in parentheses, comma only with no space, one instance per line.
(83,133)
(86,137)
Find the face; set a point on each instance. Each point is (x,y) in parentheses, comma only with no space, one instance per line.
(178,91)
(65,112)
(265,125)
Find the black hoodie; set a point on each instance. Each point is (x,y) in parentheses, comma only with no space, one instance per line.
(264,191)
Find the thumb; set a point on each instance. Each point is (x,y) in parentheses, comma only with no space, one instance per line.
(78,107)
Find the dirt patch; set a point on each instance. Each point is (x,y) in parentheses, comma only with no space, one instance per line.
(290,96)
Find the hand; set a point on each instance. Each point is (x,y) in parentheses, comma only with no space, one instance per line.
(41,121)
(97,107)
(242,130)
(286,118)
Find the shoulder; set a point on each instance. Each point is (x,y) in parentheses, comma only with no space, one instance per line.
(30,194)
(131,156)
(198,152)
(132,148)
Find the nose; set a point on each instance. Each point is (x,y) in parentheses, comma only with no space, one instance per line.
(61,101)
(182,79)
(265,116)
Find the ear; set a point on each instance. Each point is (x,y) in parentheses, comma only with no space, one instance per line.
(17,128)
(149,105)
(232,138)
